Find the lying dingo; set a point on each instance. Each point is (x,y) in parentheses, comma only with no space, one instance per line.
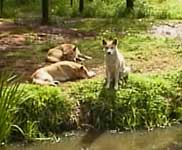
(65,52)
(61,71)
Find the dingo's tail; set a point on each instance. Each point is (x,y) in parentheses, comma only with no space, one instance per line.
(127,70)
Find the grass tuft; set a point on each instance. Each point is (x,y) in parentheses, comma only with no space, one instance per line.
(10,99)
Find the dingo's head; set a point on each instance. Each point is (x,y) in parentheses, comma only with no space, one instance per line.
(83,73)
(69,52)
(110,46)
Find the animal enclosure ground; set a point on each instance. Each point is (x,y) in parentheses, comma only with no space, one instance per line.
(147,46)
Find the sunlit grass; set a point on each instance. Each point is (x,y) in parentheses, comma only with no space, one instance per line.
(145,102)
(166,9)
(141,48)
(10,98)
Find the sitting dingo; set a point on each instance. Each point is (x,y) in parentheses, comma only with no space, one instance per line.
(65,52)
(60,71)
(115,64)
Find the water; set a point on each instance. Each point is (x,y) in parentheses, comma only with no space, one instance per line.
(159,139)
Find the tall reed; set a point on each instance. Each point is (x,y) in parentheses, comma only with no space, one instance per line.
(10,97)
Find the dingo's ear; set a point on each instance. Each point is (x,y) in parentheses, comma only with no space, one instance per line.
(104,42)
(74,49)
(114,42)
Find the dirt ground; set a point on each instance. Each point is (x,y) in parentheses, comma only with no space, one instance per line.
(15,41)
(16,48)
(170,30)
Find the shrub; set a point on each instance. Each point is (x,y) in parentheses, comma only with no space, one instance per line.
(176,104)
(145,102)
(46,110)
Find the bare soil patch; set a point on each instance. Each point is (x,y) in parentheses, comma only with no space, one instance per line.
(170,30)
(17,43)
(18,53)
(157,62)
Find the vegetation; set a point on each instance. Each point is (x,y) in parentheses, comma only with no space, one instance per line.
(46,110)
(144,102)
(1,8)
(10,99)
(45,12)
(150,99)
(160,9)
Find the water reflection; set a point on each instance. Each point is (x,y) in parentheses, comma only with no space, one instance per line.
(159,139)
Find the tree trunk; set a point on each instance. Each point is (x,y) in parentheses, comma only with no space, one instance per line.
(71,3)
(1,8)
(45,12)
(129,4)
(81,6)
(21,2)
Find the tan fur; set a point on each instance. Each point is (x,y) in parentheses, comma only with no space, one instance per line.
(65,52)
(60,71)
(115,64)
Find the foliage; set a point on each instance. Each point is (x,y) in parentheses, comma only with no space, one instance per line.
(160,9)
(102,8)
(10,98)
(46,110)
(144,102)
(177,79)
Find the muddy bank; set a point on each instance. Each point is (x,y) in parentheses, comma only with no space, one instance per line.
(159,139)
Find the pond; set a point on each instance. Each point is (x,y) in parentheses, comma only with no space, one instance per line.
(159,139)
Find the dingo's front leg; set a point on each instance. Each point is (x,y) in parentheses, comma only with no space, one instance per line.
(108,79)
(116,80)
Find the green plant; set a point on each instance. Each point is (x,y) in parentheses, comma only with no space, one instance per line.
(46,110)
(31,130)
(10,98)
(144,102)
(162,9)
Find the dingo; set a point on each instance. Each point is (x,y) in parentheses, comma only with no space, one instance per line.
(115,64)
(60,71)
(65,52)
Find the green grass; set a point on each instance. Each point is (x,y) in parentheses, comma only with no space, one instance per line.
(10,99)
(167,9)
(145,102)
(46,110)
(143,51)
(110,24)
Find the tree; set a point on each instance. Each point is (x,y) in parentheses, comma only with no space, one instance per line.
(81,6)
(129,4)
(1,9)
(71,3)
(45,11)
(21,1)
